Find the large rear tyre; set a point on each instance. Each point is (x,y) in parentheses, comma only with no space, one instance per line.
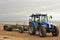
(21,30)
(42,31)
(55,32)
(31,29)
(6,28)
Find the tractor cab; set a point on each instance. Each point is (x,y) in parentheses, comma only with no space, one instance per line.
(39,18)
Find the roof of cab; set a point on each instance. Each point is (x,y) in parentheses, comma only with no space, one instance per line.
(38,15)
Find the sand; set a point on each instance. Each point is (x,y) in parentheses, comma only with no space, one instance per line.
(15,35)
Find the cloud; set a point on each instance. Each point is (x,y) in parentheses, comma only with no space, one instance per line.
(18,9)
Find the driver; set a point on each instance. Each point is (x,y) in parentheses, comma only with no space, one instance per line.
(38,21)
(39,24)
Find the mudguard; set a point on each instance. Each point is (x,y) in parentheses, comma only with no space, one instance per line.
(34,23)
(47,24)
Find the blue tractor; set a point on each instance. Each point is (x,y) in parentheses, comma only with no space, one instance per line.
(40,23)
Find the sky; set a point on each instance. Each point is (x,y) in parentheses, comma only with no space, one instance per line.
(20,10)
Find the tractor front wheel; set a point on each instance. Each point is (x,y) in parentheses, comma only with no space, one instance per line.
(55,32)
(42,31)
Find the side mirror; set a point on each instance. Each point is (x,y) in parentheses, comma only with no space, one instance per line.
(50,17)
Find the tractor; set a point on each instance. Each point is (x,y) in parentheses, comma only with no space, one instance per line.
(40,23)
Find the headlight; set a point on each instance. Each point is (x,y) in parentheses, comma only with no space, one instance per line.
(52,26)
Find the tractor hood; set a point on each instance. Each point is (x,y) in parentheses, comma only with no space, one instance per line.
(48,24)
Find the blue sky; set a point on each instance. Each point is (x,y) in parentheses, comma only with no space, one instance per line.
(20,10)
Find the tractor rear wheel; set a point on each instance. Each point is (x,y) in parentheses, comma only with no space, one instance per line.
(42,31)
(6,28)
(31,29)
(55,32)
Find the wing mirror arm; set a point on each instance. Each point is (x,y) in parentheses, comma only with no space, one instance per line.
(50,17)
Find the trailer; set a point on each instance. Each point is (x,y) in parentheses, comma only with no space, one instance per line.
(21,28)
